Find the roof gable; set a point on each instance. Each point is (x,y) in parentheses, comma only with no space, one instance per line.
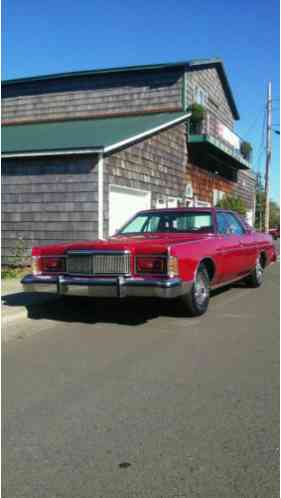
(193,63)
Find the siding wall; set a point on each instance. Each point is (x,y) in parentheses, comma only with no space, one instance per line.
(156,164)
(208,79)
(46,201)
(204,182)
(92,95)
(246,188)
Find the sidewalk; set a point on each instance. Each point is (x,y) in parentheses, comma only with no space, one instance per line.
(15,304)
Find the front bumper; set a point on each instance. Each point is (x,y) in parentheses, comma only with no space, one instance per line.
(117,287)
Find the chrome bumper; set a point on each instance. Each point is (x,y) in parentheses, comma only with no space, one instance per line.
(118,287)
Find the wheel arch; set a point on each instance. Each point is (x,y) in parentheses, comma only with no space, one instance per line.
(263,258)
(210,266)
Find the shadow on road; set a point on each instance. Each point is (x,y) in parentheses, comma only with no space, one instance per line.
(88,310)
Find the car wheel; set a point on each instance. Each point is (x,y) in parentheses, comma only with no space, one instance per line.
(197,300)
(255,279)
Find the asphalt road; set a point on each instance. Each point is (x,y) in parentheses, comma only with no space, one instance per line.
(134,400)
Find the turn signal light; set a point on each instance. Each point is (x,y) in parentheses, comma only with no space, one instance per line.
(151,264)
(173,266)
(36,265)
(48,264)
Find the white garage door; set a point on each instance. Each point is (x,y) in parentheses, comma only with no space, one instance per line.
(124,202)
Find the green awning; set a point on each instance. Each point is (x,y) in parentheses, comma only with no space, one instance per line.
(83,136)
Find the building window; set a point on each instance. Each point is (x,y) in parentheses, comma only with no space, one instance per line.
(167,202)
(200,96)
(217,196)
(200,203)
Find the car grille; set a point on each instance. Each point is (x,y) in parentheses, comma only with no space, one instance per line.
(87,263)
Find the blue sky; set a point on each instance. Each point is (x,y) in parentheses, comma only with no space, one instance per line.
(57,36)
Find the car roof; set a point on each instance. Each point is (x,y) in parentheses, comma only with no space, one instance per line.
(181,210)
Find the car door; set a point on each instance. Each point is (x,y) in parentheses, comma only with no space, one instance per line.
(229,251)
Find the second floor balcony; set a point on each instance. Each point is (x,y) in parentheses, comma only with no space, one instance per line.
(213,143)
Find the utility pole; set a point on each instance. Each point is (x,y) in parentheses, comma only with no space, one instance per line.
(268,156)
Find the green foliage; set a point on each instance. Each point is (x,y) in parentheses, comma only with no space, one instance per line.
(18,257)
(234,203)
(274,214)
(15,263)
(9,272)
(274,209)
(246,150)
(197,113)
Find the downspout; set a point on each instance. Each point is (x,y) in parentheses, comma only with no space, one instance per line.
(184,90)
(100,196)
(184,108)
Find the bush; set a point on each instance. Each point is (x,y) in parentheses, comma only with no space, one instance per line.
(234,203)
(198,114)
(8,272)
(16,264)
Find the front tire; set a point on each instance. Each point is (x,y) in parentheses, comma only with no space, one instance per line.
(197,300)
(255,279)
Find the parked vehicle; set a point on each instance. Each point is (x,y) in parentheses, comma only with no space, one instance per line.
(275,232)
(167,253)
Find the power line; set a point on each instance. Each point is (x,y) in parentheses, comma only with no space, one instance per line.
(254,123)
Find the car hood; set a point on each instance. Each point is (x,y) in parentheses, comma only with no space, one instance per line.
(143,243)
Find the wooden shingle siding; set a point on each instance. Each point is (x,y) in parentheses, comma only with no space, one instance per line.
(245,188)
(95,95)
(209,80)
(204,183)
(48,200)
(156,164)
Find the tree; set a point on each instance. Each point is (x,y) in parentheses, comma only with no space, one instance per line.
(274,209)
(234,203)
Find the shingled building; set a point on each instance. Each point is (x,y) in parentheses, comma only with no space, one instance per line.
(83,151)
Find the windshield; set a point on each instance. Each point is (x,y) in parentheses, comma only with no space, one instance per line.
(179,222)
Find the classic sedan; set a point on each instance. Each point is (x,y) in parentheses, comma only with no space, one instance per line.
(275,232)
(178,253)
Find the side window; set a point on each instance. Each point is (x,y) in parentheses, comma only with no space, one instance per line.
(222,223)
(234,226)
(153,224)
(200,96)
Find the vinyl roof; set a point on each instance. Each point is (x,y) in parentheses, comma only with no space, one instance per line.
(193,63)
(83,136)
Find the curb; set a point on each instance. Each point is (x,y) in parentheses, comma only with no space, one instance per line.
(6,318)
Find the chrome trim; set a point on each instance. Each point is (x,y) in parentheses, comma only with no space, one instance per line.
(42,284)
(229,282)
(99,267)
(119,287)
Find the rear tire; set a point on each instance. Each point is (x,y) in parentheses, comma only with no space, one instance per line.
(197,300)
(255,279)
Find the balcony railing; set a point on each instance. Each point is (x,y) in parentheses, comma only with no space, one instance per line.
(213,127)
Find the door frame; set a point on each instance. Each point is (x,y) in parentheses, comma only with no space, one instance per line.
(128,189)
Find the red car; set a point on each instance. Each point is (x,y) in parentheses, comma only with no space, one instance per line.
(167,253)
(275,232)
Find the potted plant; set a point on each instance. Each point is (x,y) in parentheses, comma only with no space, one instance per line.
(198,114)
(246,150)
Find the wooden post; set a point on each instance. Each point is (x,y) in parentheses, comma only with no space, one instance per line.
(268,158)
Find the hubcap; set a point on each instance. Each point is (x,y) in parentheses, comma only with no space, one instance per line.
(201,291)
(259,271)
